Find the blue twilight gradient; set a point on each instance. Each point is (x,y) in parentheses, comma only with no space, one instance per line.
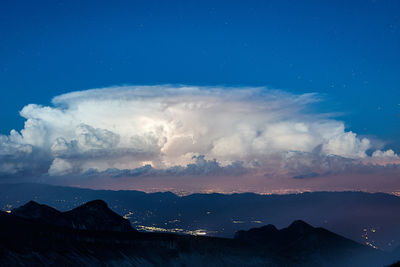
(347,50)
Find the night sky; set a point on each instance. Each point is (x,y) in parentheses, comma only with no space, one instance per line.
(312,85)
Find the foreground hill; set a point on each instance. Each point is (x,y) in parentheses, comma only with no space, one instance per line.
(31,240)
(363,217)
(94,215)
(300,242)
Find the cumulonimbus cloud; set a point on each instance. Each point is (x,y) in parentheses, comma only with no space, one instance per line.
(167,127)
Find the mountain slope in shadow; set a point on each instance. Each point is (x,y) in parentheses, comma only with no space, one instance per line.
(345,213)
(300,242)
(94,215)
(93,235)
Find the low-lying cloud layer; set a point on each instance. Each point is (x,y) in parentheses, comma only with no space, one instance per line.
(183,130)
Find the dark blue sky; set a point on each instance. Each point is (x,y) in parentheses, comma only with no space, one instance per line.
(349,51)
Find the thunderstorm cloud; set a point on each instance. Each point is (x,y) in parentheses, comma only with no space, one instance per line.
(183,130)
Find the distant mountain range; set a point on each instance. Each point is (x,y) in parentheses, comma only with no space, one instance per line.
(367,218)
(93,235)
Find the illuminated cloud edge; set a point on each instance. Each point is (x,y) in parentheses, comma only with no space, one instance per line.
(169,130)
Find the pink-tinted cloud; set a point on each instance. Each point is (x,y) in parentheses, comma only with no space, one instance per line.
(156,132)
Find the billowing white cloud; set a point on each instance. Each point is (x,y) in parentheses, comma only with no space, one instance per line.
(126,128)
(388,154)
(384,158)
(60,167)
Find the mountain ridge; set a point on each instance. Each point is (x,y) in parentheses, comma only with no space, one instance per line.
(94,215)
(355,215)
(39,242)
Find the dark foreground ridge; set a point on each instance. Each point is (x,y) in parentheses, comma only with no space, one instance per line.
(93,235)
(355,215)
(94,215)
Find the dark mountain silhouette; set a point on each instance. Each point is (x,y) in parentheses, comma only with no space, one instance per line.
(350,214)
(94,215)
(40,212)
(262,235)
(27,239)
(301,241)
